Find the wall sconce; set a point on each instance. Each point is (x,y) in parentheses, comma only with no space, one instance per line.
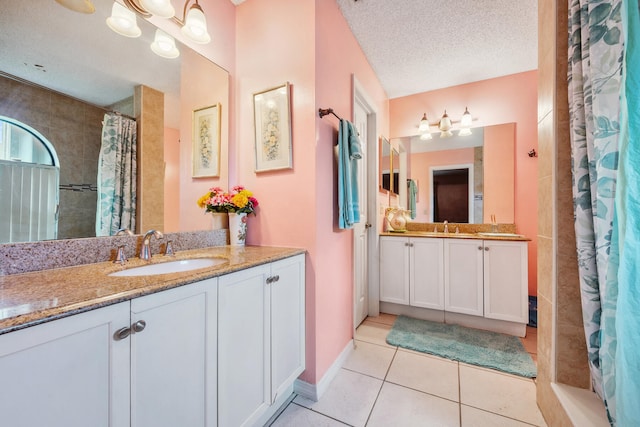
(193,23)
(445,125)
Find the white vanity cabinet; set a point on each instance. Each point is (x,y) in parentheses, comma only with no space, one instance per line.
(261,340)
(411,271)
(150,361)
(472,282)
(68,372)
(174,357)
(463,276)
(506,293)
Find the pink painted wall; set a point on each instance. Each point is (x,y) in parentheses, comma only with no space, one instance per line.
(499,168)
(171,180)
(495,101)
(279,41)
(338,57)
(202,85)
(420,164)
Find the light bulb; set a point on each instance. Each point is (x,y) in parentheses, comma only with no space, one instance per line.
(164,45)
(445,123)
(123,21)
(466,120)
(195,25)
(424,124)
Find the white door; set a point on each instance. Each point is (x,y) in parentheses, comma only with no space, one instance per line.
(173,357)
(360,230)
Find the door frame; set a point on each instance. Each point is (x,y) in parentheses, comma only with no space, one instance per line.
(361,97)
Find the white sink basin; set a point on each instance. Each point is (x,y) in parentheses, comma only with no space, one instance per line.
(501,235)
(170,267)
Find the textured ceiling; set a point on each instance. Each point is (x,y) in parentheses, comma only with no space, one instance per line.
(420,45)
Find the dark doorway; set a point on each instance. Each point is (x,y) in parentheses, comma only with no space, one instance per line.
(451,195)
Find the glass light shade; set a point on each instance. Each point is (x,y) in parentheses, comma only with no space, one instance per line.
(466,119)
(424,124)
(161,8)
(426,136)
(82,6)
(446,134)
(164,45)
(195,25)
(123,21)
(464,132)
(445,122)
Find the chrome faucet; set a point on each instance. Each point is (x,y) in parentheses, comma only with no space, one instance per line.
(145,250)
(446,226)
(124,231)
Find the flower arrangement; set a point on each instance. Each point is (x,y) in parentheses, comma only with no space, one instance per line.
(239,200)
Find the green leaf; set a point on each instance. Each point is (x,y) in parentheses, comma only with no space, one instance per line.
(599,14)
(601,209)
(606,187)
(597,32)
(584,183)
(610,161)
(616,16)
(612,37)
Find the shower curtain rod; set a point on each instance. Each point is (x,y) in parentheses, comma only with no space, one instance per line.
(325,111)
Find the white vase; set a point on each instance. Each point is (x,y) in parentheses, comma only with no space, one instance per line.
(219,220)
(237,228)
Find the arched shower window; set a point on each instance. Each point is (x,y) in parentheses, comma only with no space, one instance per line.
(29,191)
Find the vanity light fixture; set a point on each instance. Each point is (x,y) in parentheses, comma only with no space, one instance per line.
(193,23)
(445,125)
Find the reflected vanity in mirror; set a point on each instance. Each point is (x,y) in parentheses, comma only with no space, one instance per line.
(62,70)
(462,179)
(389,167)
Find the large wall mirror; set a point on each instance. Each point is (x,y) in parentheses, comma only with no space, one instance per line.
(389,167)
(62,70)
(461,179)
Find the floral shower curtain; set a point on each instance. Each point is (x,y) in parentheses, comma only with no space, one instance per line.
(600,139)
(117,176)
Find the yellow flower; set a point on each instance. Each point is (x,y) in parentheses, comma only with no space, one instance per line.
(241,199)
(202,201)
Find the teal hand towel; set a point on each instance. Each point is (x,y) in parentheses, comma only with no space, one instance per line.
(413,193)
(349,152)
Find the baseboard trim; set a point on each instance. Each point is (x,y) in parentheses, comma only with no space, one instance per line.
(315,391)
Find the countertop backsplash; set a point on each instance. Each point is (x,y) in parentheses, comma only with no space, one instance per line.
(18,258)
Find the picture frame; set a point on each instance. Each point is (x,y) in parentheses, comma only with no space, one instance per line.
(206,142)
(272,120)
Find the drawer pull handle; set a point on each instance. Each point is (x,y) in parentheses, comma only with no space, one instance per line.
(139,326)
(121,334)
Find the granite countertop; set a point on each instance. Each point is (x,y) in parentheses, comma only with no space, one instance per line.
(31,298)
(476,236)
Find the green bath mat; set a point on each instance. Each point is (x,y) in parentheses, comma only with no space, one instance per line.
(482,348)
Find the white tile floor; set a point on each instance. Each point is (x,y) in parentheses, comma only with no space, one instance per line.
(382,385)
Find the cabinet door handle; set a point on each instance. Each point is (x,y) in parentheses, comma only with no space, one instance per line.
(275,279)
(411,245)
(479,248)
(406,244)
(272,279)
(486,248)
(139,326)
(122,333)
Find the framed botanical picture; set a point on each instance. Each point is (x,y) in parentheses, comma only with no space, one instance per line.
(272,116)
(206,142)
